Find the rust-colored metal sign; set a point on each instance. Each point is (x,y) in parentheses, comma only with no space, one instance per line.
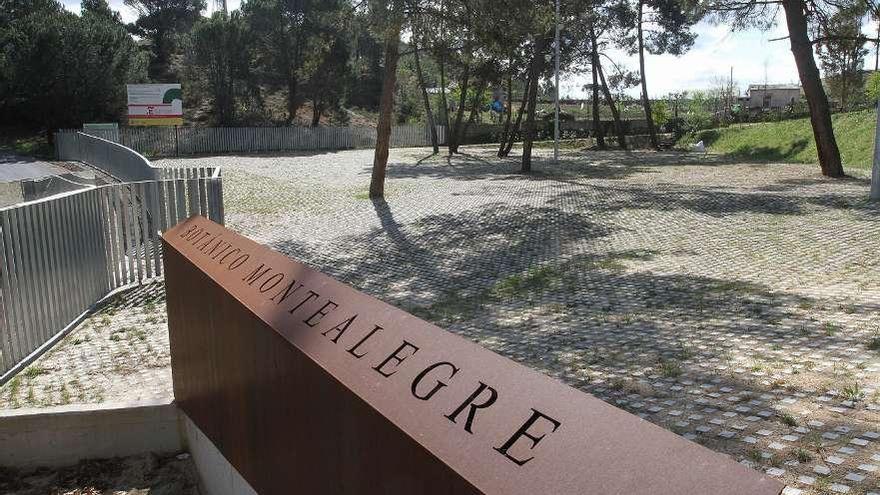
(309,386)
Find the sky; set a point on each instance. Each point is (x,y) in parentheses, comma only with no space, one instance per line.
(754,58)
(716,50)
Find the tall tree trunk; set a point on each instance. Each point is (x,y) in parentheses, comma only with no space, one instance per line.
(646,102)
(442,63)
(443,99)
(594,61)
(817,100)
(877,47)
(475,107)
(455,133)
(597,120)
(429,115)
(875,170)
(514,132)
(292,107)
(615,114)
(507,117)
(536,67)
(386,110)
(317,110)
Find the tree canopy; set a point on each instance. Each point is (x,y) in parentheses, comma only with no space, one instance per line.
(312,62)
(59,69)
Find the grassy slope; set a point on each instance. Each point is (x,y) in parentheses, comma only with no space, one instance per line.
(792,140)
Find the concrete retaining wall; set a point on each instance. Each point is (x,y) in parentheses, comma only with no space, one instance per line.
(64,435)
(216,474)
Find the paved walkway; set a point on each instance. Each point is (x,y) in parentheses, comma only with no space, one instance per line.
(735,304)
(16,167)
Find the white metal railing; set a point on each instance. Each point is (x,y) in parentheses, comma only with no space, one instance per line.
(177,141)
(61,255)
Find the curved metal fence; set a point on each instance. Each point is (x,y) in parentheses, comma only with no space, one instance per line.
(61,255)
(124,164)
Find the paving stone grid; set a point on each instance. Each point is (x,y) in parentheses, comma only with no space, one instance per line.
(734,304)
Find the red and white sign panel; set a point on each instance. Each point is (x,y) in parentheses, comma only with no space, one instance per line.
(155,104)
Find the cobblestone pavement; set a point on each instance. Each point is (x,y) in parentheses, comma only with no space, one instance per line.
(735,304)
(118,354)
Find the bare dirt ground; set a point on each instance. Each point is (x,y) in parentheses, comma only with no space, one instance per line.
(137,475)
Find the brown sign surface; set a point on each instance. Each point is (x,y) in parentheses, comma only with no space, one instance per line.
(309,386)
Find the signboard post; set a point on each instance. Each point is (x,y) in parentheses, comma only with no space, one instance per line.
(155,104)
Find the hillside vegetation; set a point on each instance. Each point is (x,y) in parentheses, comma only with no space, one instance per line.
(792,140)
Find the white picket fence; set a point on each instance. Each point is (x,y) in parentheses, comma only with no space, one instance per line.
(178,141)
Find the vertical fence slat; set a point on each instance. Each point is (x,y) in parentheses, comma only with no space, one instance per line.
(67,268)
(162,205)
(7,326)
(203,195)
(141,207)
(32,254)
(53,254)
(136,238)
(103,220)
(98,265)
(124,234)
(25,276)
(41,273)
(13,288)
(18,287)
(180,190)
(113,231)
(192,189)
(73,249)
(60,266)
(26,230)
(82,234)
(154,225)
(211,194)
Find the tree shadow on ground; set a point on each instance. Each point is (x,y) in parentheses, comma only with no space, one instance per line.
(481,163)
(503,278)
(147,294)
(714,201)
(784,153)
(795,184)
(454,266)
(444,251)
(476,168)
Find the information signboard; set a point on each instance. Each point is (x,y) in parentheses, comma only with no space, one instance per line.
(155,104)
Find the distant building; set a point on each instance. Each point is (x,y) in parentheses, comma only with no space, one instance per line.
(771,96)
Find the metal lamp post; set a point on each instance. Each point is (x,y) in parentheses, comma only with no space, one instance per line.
(556,119)
(875,172)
